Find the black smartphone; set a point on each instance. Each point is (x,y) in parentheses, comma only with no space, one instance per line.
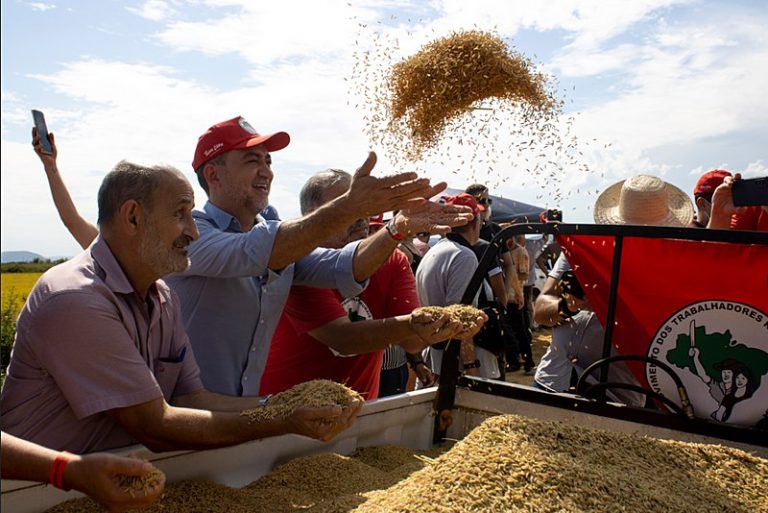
(42,131)
(750,192)
(554,216)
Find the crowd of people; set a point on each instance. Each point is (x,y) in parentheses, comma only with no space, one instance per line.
(172,320)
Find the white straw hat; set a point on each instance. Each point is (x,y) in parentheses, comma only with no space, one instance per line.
(643,200)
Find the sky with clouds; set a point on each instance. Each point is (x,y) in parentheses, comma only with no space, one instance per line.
(666,87)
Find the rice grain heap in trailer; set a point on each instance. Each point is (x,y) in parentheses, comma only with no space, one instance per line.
(515,464)
(507,464)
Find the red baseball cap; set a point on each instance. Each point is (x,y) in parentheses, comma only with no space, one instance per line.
(234,134)
(709,181)
(466,200)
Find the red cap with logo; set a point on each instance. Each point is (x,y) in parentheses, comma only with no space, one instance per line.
(234,134)
(464,199)
(709,181)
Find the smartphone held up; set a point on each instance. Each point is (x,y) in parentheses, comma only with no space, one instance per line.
(750,192)
(42,132)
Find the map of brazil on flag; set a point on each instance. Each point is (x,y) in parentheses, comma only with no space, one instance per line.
(700,307)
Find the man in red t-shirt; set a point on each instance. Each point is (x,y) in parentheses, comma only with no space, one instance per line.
(324,336)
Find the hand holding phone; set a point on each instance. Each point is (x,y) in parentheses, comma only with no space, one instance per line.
(42,132)
(553,215)
(750,192)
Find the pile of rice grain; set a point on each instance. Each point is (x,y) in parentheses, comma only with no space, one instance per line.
(508,464)
(515,464)
(447,78)
(466,314)
(323,483)
(316,393)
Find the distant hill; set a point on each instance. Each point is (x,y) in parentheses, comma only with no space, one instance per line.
(20,256)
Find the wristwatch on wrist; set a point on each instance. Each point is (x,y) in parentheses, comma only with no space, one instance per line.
(393,231)
(472,365)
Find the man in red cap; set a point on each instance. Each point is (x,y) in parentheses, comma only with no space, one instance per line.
(702,195)
(243,266)
(442,278)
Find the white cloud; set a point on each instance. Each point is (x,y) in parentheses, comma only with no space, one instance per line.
(154,10)
(697,88)
(310,28)
(41,6)
(755,169)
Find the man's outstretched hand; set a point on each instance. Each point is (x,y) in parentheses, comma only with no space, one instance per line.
(369,195)
(432,217)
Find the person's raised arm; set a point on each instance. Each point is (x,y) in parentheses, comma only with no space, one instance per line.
(366,196)
(83,231)
(545,309)
(96,474)
(722,204)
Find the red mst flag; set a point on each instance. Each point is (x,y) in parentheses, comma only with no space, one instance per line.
(700,307)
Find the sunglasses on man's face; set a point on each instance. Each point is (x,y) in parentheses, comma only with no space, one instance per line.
(485,201)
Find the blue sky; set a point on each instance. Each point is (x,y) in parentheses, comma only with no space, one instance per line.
(665,87)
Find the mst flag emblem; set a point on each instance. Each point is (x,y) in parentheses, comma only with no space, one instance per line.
(701,307)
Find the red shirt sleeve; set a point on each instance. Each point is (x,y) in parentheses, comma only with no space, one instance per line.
(402,286)
(308,308)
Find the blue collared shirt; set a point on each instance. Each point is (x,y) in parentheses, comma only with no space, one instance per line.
(231,302)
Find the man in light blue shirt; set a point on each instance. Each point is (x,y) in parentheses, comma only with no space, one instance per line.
(243,266)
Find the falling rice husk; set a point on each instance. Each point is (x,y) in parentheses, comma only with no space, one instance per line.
(468,103)
(449,76)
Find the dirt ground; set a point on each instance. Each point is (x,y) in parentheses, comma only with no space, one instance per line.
(541,340)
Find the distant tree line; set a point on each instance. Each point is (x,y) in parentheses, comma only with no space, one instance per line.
(38,265)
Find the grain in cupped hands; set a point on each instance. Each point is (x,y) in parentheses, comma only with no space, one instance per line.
(315,394)
(466,314)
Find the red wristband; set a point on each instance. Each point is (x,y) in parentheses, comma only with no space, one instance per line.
(57,469)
